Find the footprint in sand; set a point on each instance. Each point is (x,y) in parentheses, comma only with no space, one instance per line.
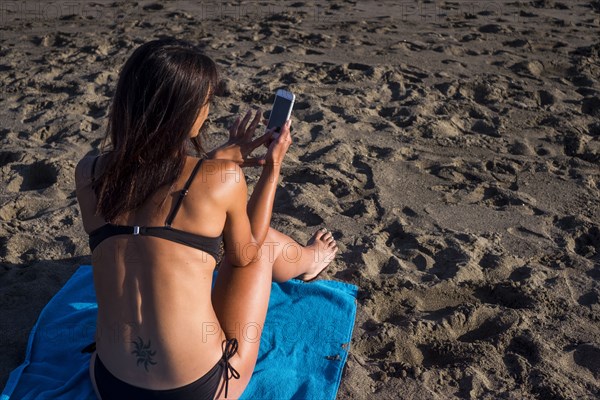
(545,98)
(59,40)
(529,69)
(589,299)
(487,329)
(402,117)
(493,28)
(392,266)
(591,106)
(400,240)
(37,176)
(581,146)
(588,243)
(521,355)
(347,114)
(588,356)
(153,7)
(71,88)
(364,207)
(526,346)
(517,43)
(307,174)
(45,133)
(9,157)
(594,129)
(310,155)
(448,261)
(444,353)
(362,167)
(485,127)
(380,153)
(285,204)
(506,294)
(317,116)
(97,109)
(252,95)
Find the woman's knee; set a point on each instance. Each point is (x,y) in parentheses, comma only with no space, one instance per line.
(271,247)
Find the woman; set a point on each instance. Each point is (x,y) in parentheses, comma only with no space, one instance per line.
(156,216)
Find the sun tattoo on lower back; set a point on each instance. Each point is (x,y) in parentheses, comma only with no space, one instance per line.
(143,353)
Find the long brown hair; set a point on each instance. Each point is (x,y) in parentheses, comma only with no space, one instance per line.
(161,89)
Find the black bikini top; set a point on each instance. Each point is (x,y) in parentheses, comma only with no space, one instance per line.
(208,244)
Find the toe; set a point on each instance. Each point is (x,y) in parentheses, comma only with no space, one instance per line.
(320,233)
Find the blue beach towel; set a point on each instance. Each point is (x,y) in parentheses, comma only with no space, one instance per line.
(303,349)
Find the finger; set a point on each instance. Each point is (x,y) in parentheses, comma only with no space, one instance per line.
(271,132)
(285,131)
(234,128)
(242,127)
(253,125)
(254,162)
(262,139)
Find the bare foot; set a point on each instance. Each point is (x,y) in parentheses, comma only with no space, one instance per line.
(324,246)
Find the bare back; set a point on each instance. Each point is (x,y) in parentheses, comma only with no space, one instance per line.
(156,326)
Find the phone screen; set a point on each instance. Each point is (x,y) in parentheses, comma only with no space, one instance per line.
(279,113)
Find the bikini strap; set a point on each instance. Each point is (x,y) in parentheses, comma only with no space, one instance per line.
(182,194)
(231,347)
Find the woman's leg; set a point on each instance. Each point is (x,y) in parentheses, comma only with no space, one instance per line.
(240,295)
(292,260)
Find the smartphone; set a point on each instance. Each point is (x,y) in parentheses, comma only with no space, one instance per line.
(282,109)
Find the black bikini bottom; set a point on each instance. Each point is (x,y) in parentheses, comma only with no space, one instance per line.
(205,388)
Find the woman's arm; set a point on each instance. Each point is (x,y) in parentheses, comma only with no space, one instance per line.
(260,206)
(240,245)
(248,222)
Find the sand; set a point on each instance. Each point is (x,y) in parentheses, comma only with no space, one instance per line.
(452,147)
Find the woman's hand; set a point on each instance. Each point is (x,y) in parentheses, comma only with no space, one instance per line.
(240,144)
(279,145)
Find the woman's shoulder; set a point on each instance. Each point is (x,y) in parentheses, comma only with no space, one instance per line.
(221,170)
(220,179)
(83,170)
(87,168)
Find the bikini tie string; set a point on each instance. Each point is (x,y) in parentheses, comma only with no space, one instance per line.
(231,347)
